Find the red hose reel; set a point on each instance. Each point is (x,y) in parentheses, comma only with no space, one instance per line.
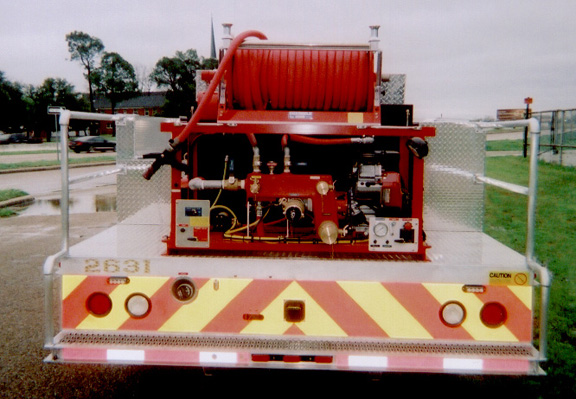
(302,80)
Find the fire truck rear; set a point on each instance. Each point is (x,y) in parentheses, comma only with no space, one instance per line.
(299,219)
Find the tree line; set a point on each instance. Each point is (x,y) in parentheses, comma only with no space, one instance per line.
(109,75)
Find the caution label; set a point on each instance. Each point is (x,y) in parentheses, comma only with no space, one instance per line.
(509,278)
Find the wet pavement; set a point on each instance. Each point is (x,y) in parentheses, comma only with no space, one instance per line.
(100,199)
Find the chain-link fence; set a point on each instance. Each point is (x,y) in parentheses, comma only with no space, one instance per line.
(558,135)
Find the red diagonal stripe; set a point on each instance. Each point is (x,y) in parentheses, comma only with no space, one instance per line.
(294,330)
(74,305)
(418,301)
(342,309)
(252,300)
(519,320)
(164,305)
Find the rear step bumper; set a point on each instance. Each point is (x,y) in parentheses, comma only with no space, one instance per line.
(261,352)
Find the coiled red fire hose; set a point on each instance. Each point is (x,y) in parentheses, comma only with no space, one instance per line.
(302,79)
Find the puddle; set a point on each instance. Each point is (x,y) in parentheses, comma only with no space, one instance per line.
(78,203)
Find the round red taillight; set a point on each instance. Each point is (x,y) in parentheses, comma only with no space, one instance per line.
(99,304)
(493,314)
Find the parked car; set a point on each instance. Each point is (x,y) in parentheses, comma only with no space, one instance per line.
(91,143)
(9,138)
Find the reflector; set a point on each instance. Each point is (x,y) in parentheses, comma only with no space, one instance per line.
(453,314)
(99,304)
(493,314)
(138,305)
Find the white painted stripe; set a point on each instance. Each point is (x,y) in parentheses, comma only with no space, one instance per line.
(130,355)
(463,364)
(368,361)
(219,357)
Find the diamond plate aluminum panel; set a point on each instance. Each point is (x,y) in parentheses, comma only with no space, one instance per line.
(394,88)
(124,139)
(135,137)
(135,193)
(454,200)
(139,135)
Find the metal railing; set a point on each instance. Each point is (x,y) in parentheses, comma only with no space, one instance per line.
(533,129)
(51,262)
(558,131)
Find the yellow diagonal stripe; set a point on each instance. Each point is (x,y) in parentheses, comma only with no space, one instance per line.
(144,285)
(211,299)
(473,325)
(316,321)
(524,294)
(385,310)
(69,284)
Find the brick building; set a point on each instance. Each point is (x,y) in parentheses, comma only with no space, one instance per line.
(145,104)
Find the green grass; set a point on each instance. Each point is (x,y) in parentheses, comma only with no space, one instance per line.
(505,145)
(6,212)
(28,152)
(7,195)
(31,164)
(555,247)
(11,193)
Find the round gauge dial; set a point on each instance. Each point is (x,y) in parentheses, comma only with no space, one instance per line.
(381,229)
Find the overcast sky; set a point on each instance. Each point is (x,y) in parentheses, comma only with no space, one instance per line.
(463,59)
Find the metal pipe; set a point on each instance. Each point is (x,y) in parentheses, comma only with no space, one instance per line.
(534,129)
(65,192)
(515,188)
(231,184)
(342,141)
(545,279)
(200,184)
(256,152)
(543,273)
(66,116)
(374,40)
(227,36)
(98,175)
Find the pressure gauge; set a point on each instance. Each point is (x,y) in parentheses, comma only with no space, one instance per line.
(380,229)
(398,235)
